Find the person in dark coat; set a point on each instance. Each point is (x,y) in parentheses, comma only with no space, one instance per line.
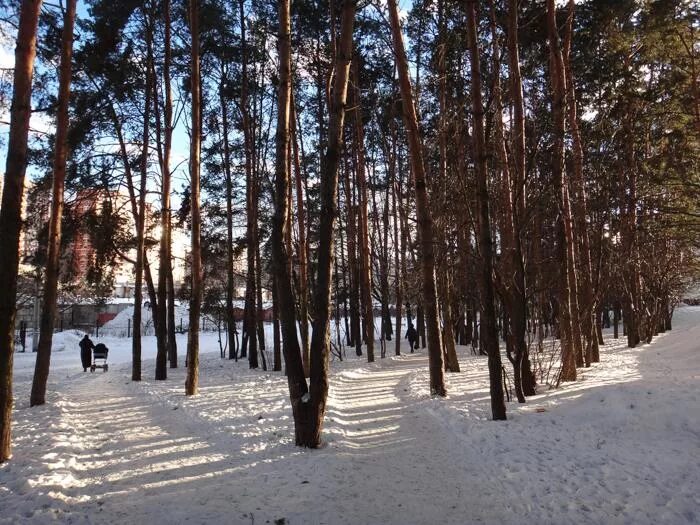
(412,336)
(86,347)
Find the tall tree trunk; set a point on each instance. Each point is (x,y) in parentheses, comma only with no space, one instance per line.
(489,332)
(141,220)
(569,319)
(320,340)
(517,199)
(586,291)
(355,336)
(11,210)
(308,404)
(399,243)
(251,201)
(285,294)
(363,234)
(164,264)
(451,361)
(230,284)
(191,383)
(514,284)
(425,220)
(302,245)
(48,307)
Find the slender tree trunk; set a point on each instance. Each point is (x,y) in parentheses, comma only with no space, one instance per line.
(586,292)
(11,210)
(514,285)
(489,332)
(191,383)
(302,246)
(451,361)
(425,221)
(230,284)
(355,336)
(48,307)
(517,199)
(141,221)
(398,244)
(164,264)
(363,234)
(251,201)
(569,319)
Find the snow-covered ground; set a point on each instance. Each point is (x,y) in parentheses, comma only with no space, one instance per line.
(622,445)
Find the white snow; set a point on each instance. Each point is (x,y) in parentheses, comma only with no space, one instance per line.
(620,446)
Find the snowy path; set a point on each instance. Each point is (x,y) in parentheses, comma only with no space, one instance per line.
(620,446)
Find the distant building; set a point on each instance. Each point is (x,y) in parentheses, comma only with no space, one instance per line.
(91,201)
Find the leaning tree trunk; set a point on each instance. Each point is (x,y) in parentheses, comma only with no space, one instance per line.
(308,403)
(195,149)
(11,210)
(489,331)
(425,220)
(320,340)
(48,307)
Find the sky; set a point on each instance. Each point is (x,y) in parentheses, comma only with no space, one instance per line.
(41,124)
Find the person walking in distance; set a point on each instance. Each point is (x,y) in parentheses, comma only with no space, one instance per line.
(86,346)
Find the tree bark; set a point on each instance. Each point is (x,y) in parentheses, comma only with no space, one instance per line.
(141,220)
(363,234)
(517,198)
(489,332)
(250,310)
(586,291)
(48,307)
(513,296)
(302,245)
(450,350)
(568,300)
(11,210)
(164,264)
(320,340)
(425,221)
(191,383)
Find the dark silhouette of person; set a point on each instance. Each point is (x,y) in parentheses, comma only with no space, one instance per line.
(23,335)
(412,336)
(86,346)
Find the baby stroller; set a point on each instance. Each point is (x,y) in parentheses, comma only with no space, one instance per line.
(99,353)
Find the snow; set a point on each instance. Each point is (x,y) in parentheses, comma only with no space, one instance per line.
(622,445)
